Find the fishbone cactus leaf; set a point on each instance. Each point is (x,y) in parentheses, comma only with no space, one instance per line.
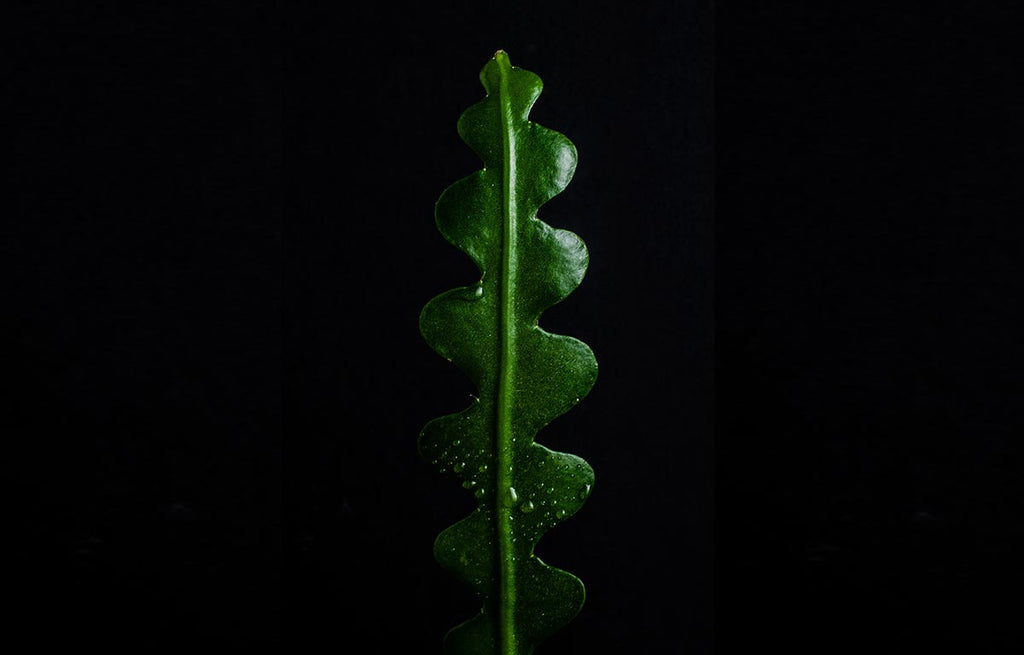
(525,377)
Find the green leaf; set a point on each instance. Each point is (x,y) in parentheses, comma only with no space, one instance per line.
(525,377)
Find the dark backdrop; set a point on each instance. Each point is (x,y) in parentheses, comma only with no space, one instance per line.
(868,342)
(141,317)
(219,235)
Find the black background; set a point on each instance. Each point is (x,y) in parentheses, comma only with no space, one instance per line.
(868,290)
(221,235)
(142,337)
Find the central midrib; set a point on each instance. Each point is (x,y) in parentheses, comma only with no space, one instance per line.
(503,501)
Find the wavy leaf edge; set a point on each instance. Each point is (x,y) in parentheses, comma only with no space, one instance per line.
(525,377)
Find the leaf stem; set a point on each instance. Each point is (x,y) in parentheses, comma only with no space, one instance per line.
(504,432)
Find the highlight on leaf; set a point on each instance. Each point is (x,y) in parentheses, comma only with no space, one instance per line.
(525,376)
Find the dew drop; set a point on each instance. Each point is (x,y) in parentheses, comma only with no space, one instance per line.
(560,514)
(459,466)
(513,497)
(527,507)
(483,467)
(478,292)
(479,493)
(456,442)
(584,492)
(469,484)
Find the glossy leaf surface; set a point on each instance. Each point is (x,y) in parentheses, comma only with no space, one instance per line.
(525,376)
